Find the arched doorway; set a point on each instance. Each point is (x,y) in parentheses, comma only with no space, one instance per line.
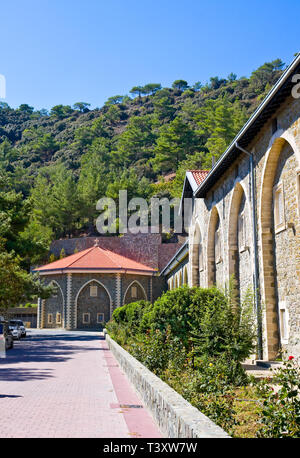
(214,250)
(196,255)
(54,308)
(92,305)
(239,256)
(279,224)
(134,292)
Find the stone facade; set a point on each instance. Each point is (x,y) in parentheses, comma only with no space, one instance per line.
(222,233)
(87,300)
(277,161)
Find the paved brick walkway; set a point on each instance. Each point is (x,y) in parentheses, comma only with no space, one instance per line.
(68,384)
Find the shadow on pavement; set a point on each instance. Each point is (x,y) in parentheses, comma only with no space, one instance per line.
(40,347)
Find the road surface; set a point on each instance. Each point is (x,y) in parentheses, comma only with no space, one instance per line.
(68,384)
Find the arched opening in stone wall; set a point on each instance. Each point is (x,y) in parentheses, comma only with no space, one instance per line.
(172,283)
(134,292)
(239,235)
(176,281)
(53,308)
(180,278)
(196,247)
(92,305)
(185,276)
(279,223)
(214,248)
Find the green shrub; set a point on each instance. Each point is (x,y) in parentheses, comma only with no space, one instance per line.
(226,328)
(181,309)
(280,415)
(159,350)
(130,314)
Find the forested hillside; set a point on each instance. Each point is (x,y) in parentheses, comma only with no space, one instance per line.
(63,161)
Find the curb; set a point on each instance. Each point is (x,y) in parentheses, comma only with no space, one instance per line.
(175,417)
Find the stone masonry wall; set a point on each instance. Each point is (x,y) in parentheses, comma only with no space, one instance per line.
(277,157)
(110,294)
(145,248)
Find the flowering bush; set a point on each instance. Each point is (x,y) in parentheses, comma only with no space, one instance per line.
(280,416)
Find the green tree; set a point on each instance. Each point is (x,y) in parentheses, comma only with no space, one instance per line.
(114,100)
(152,88)
(181,85)
(16,285)
(83,107)
(92,183)
(137,90)
(136,142)
(54,199)
(26,108)
(61,111)
(175,141)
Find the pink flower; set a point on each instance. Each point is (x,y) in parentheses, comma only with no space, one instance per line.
(291,357)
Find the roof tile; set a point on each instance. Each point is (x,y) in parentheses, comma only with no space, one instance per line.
(96,258)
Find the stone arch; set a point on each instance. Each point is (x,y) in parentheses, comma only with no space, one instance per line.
(180,278)
(269,291)
(195,255)
(92,305)
(214,221)
(172,283)
(140,287)
(185,276)
(176,281)
(53,306)
(239,194)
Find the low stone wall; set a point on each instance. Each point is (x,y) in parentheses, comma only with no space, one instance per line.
(175,417)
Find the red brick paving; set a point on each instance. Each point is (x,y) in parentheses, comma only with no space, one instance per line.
(68,384)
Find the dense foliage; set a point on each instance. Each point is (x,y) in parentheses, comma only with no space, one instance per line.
(281,407)
(195,340)
(63,161)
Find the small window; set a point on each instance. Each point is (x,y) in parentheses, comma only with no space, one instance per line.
(279,215)
(242,231)
(86,318)
(134,292)
(200,253)
(50,318)
(283,322)
(93,290)
(217,246)
(100,317)
(58,318)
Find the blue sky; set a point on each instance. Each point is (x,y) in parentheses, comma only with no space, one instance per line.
(68,51)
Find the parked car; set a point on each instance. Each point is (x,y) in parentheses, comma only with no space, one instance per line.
(9,341)
(20,324)
(15,331)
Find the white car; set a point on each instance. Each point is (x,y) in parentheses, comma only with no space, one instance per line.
(20,324)
(15,332)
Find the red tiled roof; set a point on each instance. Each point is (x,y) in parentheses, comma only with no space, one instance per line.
(199,175)
(96,258)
